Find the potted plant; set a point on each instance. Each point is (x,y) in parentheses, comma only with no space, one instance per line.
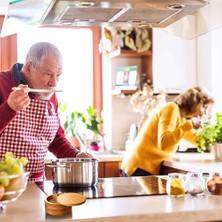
(71,124)
(90,122)
(210,135)
(94,122)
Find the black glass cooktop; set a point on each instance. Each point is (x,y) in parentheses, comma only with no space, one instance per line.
(113,187)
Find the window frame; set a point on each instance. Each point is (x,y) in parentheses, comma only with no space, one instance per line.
(8,56)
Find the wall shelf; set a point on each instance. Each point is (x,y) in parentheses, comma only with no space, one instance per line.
(131,53)
(124,91)
(116,100)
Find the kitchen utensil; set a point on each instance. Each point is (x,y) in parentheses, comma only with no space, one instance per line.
(71,199)
(75,172)
(39,90)
(61,204)
(53,208)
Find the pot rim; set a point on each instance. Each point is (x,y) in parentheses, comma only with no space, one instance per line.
(75,160)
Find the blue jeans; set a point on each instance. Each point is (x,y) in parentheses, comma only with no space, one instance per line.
(137,172)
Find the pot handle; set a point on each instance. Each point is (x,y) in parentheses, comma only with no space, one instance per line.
(55,166)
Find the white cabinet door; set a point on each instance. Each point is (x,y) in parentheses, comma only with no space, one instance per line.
(174,62)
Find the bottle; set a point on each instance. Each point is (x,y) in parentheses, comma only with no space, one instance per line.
(214,183)
(195,183)
(175,185)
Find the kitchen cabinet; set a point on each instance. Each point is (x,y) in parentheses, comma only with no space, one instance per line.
(130,58)
(109,169)
(115,57)
(48,172)
(116,101)
(174,63)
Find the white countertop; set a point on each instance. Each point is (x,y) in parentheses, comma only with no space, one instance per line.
(30,206)
(160,208)
(196,162)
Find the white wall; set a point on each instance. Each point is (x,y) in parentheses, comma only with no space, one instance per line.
(4,6)
(179,63)
(209,66)
(174,62)
(117,110)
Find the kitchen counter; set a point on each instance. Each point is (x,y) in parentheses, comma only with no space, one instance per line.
(117,155)
(30,207)
(196,162)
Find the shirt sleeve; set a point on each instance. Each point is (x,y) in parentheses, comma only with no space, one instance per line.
(6,115)
(172,127)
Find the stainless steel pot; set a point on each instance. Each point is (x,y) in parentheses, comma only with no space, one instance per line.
(75,172)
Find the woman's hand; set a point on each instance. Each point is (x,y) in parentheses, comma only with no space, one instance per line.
(197,122)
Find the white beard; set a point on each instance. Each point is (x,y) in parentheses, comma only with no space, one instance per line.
(44,96)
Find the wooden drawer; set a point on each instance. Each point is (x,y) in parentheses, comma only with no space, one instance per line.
(109,169)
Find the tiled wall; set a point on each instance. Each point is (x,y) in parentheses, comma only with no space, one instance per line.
(122,118)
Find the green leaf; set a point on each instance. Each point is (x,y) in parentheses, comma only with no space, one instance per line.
(211,133)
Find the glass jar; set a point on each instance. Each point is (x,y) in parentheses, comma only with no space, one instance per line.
(175,185)
(195,184)
(214,183)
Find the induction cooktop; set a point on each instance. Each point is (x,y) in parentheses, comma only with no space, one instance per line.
(113,187)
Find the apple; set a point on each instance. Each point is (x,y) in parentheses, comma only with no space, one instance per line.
(14,185)
(2,191)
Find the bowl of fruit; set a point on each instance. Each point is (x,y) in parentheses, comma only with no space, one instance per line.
(13,178)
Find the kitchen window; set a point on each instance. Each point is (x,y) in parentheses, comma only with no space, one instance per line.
(76,46)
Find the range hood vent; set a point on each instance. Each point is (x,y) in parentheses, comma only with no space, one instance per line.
(152,13)
(164,14)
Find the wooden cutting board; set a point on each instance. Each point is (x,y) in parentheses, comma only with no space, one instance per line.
(71,199)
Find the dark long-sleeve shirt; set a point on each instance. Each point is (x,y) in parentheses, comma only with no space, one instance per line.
(60,146)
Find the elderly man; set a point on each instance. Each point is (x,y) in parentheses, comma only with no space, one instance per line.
(29,122)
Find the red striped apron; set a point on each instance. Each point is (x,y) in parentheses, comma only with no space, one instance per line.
(29,135)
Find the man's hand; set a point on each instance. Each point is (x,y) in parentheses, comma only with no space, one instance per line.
(18,99)
(84,155)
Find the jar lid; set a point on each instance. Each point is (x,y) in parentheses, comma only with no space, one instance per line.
(176,175)
(195,174)
(216,174)
(71,199)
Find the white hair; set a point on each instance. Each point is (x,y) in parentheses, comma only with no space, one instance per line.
(39,51)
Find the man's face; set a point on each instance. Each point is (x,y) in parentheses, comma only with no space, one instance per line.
(46,76)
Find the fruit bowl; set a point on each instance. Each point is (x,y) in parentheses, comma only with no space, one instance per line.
(17,185)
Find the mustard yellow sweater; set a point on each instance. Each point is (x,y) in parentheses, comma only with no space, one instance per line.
(158,139)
